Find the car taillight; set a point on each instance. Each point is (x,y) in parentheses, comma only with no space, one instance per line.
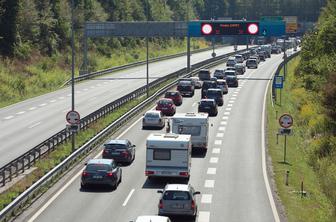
(125,154)
(85,174)
(148,172)
(105,151)
(109,174)
(160,204)
(193,205)
(185,174)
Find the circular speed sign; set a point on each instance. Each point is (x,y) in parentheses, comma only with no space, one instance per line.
(286,120)
(73,117)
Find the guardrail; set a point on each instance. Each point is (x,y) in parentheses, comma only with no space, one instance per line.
(277,72)
(47,179)
(134,64)
(28,159)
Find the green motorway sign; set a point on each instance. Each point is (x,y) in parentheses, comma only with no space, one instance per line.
(271,18)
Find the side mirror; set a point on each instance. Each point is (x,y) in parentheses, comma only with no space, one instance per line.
(196,193)
(85,164)
(159,191)
(133,145)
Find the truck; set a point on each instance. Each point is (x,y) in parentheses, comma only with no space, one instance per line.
(194,124)
(168,155)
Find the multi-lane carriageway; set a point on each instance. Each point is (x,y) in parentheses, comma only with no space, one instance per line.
(232,176)
(26,124)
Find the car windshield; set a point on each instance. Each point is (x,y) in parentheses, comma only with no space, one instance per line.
(219,71)
(206,103)
(152,115)
(213,93)
(171,94)
(176,195)
(114,146)
(97,167)
(164,102)
(209,84)
(185,83)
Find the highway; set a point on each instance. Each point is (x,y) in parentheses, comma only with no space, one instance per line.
(231,176)
(28,123)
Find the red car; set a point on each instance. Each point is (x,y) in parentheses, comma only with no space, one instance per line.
(166,106)
(175,96)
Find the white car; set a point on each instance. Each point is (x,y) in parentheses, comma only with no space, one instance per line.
(153,118)
(197,81)
(152,219)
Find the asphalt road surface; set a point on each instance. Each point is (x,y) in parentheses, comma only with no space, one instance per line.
(230,176)
(28,123)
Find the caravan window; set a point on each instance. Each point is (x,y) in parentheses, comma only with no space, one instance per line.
(189,130)
(160,154)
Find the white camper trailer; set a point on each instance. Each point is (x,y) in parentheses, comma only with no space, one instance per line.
(194,124)
(168,155)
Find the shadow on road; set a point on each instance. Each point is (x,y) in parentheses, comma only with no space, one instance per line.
(160,183)
(198,153)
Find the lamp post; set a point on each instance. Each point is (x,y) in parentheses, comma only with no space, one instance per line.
(72,70)
(188,41)
(147,54)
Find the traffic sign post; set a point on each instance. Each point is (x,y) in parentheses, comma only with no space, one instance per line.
(285,121)
(73,118)
(278,84)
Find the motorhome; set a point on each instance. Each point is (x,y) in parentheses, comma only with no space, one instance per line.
(194,124)
(168,155)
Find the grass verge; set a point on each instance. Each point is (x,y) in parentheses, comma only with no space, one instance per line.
(315,206)
(48,162)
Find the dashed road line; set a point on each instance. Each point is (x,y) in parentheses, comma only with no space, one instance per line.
(43,104)
(223,123)
(32,126)
(231,101)
(209,183)
(32,108)
(20,113)
(228,109)
(220,135)
(213,160)
(206,198)
(194,104)
(211,171)
(221,128)
(226,113)
(8,117)
(218,142)
(78,92)
(128,197)
(53,100)
(216,150)
(225,117)
(230,104)
(86,89)
(203,216)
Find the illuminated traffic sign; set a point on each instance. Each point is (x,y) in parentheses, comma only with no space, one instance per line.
(229,28)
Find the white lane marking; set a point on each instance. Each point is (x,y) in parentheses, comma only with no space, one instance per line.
(78,92)
(194,104)
(206,198)
(209,183)
(211,171)
(223,123)
(128,197)
(213,160)
(234,95)
(226,113)
(20,113)
(221,128)
(263,157)
(32,108)
(61,97)
(218,142)
(230,104)
(203,216)
(36,124)
(228,109)
(86,89)
(53,100)
(235,92)
(92,87)
(43,104)
(220,135)
(231,101)
(9,117)
(225,117)
(42,208)
(216,150)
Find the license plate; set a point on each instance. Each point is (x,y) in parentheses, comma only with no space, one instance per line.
(177,206)
(115,153)
(97,177)
(166,172)
(207,107)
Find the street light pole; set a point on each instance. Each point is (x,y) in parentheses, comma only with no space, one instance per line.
(147,54)
(72,70)
(188,41)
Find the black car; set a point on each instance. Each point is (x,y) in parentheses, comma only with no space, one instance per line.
(206,85)
(231,78)
(186,88)
(219,73)
(119,150)
(208,106)
(262,55)
(101,172)
(216,94)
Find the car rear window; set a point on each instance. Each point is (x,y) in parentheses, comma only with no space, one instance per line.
(171,94)
(206,103)
(176,195)
(213,93)
(161,154)
(98,167)
(152,115)
(209,85)
(185,83)
(164,102)
(115,146)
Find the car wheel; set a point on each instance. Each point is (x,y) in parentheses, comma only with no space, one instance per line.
(82,186)
(120,179)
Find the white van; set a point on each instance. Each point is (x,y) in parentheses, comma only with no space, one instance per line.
(152,219)
(194,124)
(168,155)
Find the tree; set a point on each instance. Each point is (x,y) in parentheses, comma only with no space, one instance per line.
(8,28)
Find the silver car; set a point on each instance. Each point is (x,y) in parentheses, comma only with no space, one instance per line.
(178,199)
(153,118)
(198,83)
